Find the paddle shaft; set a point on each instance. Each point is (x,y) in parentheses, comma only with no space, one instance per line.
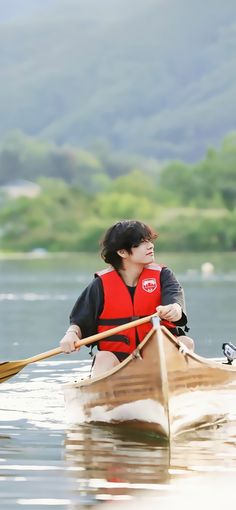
(93,338)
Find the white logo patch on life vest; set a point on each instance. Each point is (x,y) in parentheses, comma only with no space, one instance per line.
(149,285)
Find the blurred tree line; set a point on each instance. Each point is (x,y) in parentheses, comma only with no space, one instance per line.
(192,206)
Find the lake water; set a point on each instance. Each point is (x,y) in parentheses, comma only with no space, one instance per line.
(44,463)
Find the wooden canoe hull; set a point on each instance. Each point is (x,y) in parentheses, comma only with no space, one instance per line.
(159,388)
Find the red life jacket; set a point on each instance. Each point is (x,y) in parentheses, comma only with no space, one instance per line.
(119,308)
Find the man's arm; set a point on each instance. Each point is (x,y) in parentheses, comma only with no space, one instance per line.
(173,301)
(88,308)
(83,318)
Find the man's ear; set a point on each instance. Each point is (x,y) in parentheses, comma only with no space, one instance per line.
(123,253)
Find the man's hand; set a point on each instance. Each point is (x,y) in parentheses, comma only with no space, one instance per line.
(69,340)
(172,313)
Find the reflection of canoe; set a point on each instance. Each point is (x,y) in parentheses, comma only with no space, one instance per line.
(113,463)
(115,459)
(160,388)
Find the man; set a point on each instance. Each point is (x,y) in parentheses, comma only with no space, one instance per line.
(133,286)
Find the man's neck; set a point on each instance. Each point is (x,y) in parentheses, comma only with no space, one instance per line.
(131,275)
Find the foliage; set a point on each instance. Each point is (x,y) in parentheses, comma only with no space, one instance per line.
(209,183)
(192,206)
(48,221)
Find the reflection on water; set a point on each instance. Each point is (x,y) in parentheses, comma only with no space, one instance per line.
(119,466)
(117,462)
(45,463)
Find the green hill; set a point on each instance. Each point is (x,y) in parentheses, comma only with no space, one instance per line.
(155,78)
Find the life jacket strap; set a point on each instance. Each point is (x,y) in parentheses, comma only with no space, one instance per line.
(119,321)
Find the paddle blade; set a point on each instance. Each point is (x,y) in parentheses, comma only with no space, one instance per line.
(10,368)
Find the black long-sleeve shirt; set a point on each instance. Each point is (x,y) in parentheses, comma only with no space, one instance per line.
(89,305)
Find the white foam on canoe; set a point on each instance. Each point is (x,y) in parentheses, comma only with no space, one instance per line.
(147,410)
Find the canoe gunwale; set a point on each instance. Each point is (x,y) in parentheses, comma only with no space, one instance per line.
(210,362)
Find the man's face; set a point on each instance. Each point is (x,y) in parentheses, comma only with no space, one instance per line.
(142,254)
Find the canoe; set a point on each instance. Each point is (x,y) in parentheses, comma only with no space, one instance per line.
(160,388)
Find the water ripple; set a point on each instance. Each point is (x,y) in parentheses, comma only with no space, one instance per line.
(46,462)
(32,296)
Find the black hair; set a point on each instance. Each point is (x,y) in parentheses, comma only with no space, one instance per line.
(126,235)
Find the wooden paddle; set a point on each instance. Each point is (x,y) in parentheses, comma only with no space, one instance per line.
(10,368)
